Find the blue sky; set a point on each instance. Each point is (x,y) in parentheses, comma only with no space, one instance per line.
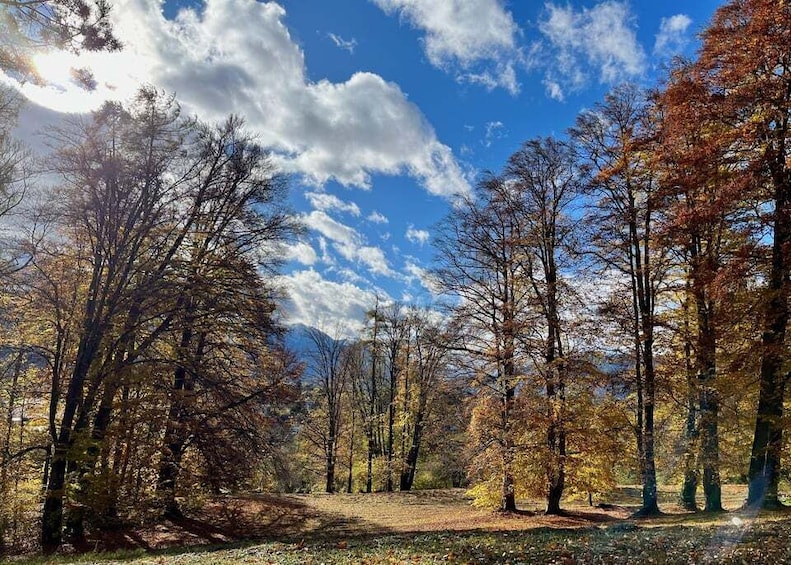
(381,110)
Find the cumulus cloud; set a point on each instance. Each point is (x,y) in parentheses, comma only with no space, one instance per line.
(417,236)
(238,56)
(672,36)
(475,39)
(317,302)
(377,218)
(326,202)
(601,38)
(301,252)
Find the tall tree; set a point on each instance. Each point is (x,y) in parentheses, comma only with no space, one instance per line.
(238,223)
(612,138)
(743,78)
(545,176)
(395,336)
(328,365)
(115,201)
(426,368)
(481,262)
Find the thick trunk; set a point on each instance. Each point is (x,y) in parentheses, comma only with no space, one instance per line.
(764,472)
(169,469)
(691,476)
(556,395)
(410,467)
(650,498)
(52,512)
(175,432)
(709,405)
(508,495)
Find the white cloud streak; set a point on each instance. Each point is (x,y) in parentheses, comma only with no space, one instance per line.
(420,237)
(672,36)
(341,43)
(327,202)
(377,218)
(348,242)
(602,38)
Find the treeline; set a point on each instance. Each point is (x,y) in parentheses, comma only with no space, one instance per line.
(617,299)
(140,351)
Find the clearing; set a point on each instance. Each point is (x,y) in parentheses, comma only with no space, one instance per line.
(440,527)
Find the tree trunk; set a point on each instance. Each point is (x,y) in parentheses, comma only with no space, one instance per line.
(691,477)
(764,472)
(351,455)
(52,511)
(330,460)
(709,408)
(408,474)
(175,432)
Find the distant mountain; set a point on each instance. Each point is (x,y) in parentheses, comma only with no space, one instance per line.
(298,339)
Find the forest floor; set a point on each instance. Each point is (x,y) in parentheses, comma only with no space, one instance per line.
(441,527)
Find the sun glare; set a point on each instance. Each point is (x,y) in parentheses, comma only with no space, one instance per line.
(62,91)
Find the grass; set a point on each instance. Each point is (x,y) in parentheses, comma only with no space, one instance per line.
(442,527)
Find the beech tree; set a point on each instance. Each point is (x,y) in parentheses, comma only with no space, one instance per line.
(741,78)
(114,203)
(482,265)
(613,140)
(544,175)
(172,221)
(227,307)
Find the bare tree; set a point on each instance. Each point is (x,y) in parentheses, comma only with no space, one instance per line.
(482,266)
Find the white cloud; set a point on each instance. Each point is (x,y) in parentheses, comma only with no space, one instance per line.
(238,56)
(426,279)
(672,36)
(326,202)
(494,130)
(602,38)
(417,236)
(317,302)
(348,242)
(374,258)
(330,228)
(377,218)
(301,252)
(477,39)
(554,90)
(341,43)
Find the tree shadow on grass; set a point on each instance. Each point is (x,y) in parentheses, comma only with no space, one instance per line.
(232,520)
